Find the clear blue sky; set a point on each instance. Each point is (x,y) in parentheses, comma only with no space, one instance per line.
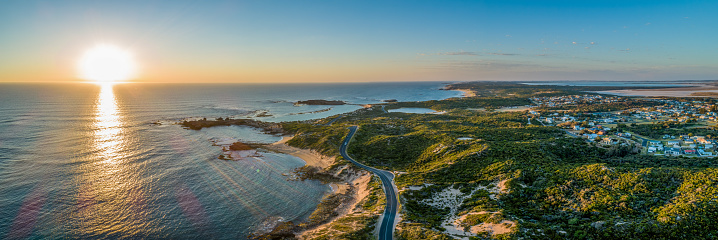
(251,41)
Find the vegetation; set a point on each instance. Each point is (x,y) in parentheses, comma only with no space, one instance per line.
(560,187)
(553,186)
(673,128)
(605,107)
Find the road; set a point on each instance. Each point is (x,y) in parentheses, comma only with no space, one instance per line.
(644,142)
(571,134)
(335,119)
(386,230)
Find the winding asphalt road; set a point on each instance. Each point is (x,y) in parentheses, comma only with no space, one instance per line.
(386,230)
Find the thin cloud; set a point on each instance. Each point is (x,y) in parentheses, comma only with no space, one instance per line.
(465,53)
(461,53)
(503,54)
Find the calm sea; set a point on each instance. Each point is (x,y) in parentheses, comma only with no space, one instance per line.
(85,161)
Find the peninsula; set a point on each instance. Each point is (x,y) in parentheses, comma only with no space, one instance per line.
(321,102)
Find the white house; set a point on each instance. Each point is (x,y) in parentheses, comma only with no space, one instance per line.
(673,151)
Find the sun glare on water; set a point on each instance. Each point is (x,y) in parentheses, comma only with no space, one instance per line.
(107,63)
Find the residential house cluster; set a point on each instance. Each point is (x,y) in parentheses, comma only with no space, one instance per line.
(679,111)
(683,145)
(574,99)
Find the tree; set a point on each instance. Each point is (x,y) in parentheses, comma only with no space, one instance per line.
(702,111)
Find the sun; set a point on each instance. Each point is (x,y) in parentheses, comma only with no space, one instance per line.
(107,63)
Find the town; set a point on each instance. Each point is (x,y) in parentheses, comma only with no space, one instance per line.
(672,127)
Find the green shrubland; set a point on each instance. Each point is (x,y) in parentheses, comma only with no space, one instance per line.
(558,187)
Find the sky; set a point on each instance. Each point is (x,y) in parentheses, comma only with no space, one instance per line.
(349,41)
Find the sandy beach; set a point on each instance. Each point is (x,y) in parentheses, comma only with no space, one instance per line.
(354,183)
(357,186)
(310,157)
(467,92)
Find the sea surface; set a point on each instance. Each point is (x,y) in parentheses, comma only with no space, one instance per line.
(80,160)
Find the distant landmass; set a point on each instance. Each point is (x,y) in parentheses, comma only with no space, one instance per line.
(321,102)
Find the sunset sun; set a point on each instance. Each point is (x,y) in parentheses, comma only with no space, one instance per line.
(107,63)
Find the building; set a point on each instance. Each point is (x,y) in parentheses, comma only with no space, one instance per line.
(673,151)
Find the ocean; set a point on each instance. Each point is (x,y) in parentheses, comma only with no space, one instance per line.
(81,160)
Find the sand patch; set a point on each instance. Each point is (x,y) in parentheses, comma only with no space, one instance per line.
(452,198)
(513,109)
(358,184)
(467,92)
(414,188)
(503,227)
(312,158)
(502,186)
(340,188)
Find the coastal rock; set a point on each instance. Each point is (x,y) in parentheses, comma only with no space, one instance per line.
(271,128)
(239,146)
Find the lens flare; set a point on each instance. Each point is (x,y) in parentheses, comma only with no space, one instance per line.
(107,63)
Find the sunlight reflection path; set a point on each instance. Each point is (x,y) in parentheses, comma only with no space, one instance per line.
(110,196)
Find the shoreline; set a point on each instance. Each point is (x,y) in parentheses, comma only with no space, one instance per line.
(353,184)
(310,157)
(466,92)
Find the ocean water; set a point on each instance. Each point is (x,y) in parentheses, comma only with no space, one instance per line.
(85,161)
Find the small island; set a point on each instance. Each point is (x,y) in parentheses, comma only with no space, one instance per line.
(267,127)
(320,102)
